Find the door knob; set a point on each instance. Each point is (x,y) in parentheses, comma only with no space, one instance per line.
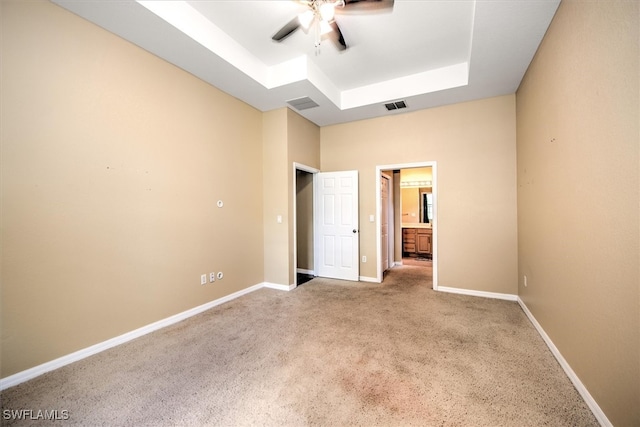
(355,231)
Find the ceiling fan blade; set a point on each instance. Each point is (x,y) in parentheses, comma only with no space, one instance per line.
(350,5)
(336,36)
(285,31)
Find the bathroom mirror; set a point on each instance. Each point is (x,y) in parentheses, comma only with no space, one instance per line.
(417,205)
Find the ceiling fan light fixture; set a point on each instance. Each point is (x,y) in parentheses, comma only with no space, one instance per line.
(327,11)
(306,18)
(325,28)
(321,16)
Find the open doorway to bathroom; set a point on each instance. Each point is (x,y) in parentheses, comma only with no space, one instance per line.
(416,207)
(411,205)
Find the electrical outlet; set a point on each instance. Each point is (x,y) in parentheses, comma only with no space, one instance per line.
(525,280)
(212,277)
(364,258)
(203,279)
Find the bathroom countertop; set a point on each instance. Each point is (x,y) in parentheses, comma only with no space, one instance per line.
(415,225)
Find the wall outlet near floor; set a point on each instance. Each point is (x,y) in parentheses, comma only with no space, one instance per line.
(525,280)
(212,277)
(203,279)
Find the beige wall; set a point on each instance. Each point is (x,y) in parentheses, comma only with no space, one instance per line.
(288,138)
(304,148)
(416,174)
(276,197)
(304,140)
(578,197)
(476,214)
(112,163)
(410,205)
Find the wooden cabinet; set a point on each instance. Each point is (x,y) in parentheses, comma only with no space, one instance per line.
(423,241)
(417,242)
(408,241)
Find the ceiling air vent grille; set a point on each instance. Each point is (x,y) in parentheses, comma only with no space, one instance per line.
(302,103)
(397,105)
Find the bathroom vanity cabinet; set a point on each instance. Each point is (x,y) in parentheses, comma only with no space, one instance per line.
(417,242)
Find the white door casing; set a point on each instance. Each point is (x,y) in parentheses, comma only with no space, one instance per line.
(311,170)
(384,221)
(337,231)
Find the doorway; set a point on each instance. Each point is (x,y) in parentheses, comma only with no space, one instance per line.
(423,222)
(325,224)
(303,252)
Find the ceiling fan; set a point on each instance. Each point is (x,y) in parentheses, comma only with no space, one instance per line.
(321,16)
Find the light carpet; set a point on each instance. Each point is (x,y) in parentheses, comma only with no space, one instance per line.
(327,353)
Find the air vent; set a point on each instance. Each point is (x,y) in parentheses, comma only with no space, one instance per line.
(397,105)
(302,103)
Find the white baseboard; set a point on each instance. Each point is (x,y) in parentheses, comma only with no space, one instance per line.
(484,294)
(368,279)
(278,286)
(589,400)
(28,374)
(304,271)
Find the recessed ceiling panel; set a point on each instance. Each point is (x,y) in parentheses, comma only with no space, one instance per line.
(429,52)
(412,37)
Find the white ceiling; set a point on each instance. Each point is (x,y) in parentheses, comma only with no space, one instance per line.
(427,52)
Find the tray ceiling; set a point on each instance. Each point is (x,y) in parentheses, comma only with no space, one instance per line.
(428,53)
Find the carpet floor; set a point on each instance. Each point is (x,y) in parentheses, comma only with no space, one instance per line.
(327,353)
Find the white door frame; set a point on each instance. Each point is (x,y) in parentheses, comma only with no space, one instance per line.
(314,171)
(434,242)
(390,222)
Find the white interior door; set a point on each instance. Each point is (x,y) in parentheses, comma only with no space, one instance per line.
(337,232)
